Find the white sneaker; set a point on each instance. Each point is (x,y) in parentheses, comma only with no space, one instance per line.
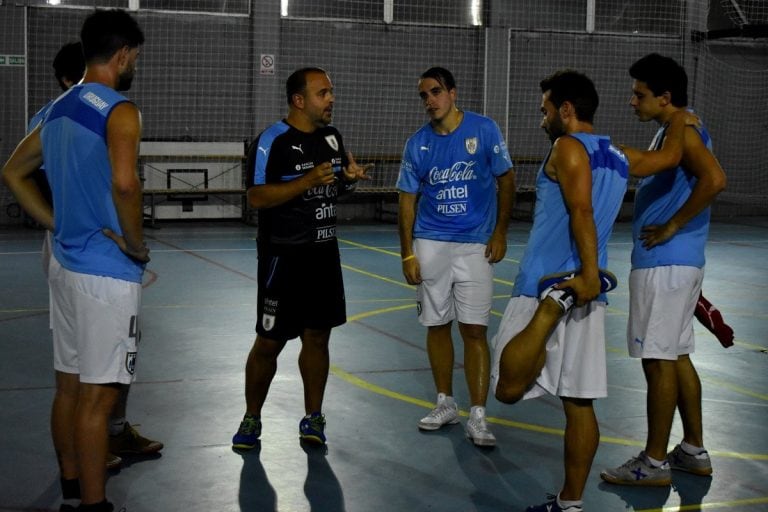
(445,413)
(478,431)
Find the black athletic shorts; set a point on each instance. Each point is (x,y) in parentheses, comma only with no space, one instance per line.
(299,288)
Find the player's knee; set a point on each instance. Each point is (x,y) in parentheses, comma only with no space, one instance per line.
(266,348)
(509,393)
(473,334)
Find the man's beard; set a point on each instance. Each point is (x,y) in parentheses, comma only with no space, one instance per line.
(124,82)
(555,130)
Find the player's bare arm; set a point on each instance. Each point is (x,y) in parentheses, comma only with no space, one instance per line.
(505,200)
(570,164)
(123,137)
(270,195)
(406,218)
(646,163)
(710,181)
(17,175)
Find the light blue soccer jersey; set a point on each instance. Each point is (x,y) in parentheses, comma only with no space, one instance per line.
(455,175)
(551,246)
(657,199)
(78,169)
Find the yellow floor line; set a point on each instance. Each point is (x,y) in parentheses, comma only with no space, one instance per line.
(363,384)
(710,506)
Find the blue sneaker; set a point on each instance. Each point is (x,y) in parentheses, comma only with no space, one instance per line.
(565,297)
(312,428)
(247,435)
(553,506)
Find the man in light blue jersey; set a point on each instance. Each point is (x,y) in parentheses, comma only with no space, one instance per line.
(457,167)
(670,228)
(124,439)
(88,142)
(556,345)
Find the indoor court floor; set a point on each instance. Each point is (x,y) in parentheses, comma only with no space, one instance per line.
(198,317)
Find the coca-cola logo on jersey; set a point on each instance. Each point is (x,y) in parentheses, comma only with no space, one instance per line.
(322,191)
(459,171)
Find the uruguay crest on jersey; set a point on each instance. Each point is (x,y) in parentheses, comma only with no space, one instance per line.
(268,321)
(471,145)
(130,362)
(331,140)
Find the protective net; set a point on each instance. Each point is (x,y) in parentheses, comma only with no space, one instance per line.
(214,71)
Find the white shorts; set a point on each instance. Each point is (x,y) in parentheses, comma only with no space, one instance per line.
(457,282)
(95,325)
(575,364)
(662,301)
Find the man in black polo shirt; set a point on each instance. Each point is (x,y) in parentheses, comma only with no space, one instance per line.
(296,169)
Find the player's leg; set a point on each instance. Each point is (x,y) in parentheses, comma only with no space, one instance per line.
(260,369)
(473,298)
(476,361)
(274,326)
(107,325)
(659,331)
(314,363)
(124,439)
(689,401)
(582,436)
(93,408)
(321,306)
(63,431)
(436,312)
(441,357)
(524,356)
(661,402)
(65,363)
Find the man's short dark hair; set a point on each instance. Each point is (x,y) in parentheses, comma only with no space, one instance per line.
(69,64)
(441,75)
(577,88)
(297,82)
(662,74)
(105,32)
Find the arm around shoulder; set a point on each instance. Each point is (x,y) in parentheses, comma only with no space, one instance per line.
(647,163)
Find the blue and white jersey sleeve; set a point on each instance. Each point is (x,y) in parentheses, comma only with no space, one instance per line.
(499,160)
(408,180)
(260,152)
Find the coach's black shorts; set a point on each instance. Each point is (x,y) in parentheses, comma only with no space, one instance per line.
(299,288)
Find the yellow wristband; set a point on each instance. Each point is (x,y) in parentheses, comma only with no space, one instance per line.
(412,256)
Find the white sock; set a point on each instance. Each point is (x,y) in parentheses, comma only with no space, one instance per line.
(116,426)
(690,449)
(563,504)
(655,463)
